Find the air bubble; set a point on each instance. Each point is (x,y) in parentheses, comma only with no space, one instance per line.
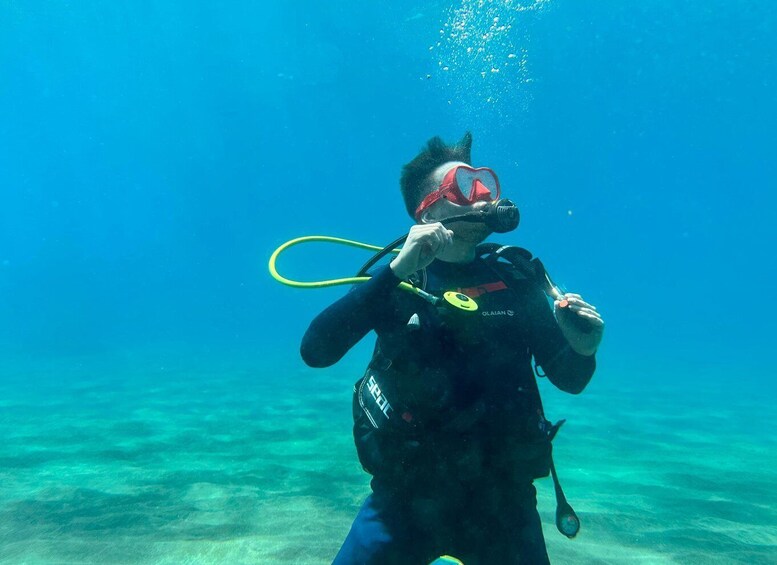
(478,39)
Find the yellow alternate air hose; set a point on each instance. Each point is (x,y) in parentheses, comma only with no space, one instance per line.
(453,298)
(321,284)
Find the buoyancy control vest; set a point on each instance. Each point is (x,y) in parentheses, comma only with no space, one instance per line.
(379,394)
(394,438)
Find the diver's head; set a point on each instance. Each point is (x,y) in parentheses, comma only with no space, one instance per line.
(440,183)
(461,191)
(418,176)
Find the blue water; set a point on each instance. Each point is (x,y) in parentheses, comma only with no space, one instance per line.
(152,156)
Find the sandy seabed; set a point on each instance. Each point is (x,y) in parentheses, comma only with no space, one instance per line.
(236,465)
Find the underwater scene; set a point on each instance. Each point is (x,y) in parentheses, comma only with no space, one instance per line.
(169,394)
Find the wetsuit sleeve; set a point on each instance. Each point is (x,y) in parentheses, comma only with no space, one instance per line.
(338,328)
(566,369)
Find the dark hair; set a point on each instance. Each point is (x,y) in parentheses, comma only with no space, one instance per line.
(414,183)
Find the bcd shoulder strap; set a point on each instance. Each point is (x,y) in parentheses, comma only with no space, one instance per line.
(531,268)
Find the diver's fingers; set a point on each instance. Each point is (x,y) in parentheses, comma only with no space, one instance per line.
(428,239)
(444,236)
(440,238)
(426,229)
(593,320)
(432,241)
(588,314)
(576,307)
(578,300)
(438,228)
(427,233)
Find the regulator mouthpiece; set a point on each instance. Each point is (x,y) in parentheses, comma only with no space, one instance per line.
(502,215)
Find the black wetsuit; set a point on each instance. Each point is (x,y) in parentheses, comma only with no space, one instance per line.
(453,472)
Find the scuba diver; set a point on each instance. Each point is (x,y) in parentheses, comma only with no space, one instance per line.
(448,418)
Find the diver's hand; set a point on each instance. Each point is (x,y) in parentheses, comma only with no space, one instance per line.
(424,242)
(580,323)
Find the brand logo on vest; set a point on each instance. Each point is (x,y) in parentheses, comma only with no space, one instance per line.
(498,313)
(380,400)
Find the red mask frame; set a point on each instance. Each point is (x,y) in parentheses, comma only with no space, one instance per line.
(480,184)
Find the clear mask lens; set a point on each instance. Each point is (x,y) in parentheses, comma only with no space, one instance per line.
(465,179)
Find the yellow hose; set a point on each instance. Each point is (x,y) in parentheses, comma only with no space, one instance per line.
(330,282)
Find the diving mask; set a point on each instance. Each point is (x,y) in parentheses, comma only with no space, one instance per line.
(463,185)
